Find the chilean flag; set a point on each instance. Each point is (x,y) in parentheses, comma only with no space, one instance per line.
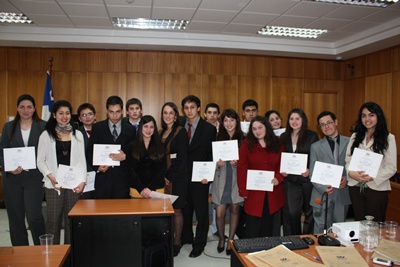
(48,99)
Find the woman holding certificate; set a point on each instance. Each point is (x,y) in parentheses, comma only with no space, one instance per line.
(298,139)
(261,150)
(369,195)
(176,144)
(61,144)
(23,190)
(225,190)
(147,160)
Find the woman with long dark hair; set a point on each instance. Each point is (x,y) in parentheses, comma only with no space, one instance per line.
(274,118)
(147,162)
(176,145)
(261,150)
(369,195)
(298,139)
(23,190)
(225,190)
(62,144)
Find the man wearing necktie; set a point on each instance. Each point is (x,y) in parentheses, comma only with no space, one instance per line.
(134,112)
(112,182)
(201,135)
(332,150)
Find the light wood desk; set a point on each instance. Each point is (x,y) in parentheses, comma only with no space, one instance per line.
(239,259)
(114,232)
(32,256)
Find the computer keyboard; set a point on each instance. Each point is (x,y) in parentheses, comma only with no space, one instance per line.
(248,245)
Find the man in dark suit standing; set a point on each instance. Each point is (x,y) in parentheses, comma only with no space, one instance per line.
(200,134)
(112,182)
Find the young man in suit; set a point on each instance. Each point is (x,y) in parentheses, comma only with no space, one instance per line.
(331,149)
(112,182)
(200,134)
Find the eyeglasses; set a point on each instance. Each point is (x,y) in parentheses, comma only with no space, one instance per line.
(90,114)
(323,125)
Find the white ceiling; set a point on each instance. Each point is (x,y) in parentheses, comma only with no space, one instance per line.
(223,26)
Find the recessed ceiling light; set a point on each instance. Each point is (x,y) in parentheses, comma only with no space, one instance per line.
(291,32)
(374,3)
(150,24)
(9,17)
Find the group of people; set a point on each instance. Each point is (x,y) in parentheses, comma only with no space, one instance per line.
(161,159)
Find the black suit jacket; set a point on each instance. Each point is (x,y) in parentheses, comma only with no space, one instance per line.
(117,176)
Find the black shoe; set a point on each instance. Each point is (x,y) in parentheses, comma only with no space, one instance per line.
(220,249)
(177,249)
(228,252)
(196,252)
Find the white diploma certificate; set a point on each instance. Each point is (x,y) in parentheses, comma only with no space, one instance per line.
(327,174)
(155,194)
(225,150)
(365,160)
(68,177)
(279,131)
(245,125)
(293,163)
(19,156)
(203,170)
(90,178)
(101,155)
(260,180)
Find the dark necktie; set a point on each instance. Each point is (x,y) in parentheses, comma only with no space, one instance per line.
(89,132)
(336,150)
(115,133)
(189,132)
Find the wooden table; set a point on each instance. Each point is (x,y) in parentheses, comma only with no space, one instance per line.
(239,259)
(30,256)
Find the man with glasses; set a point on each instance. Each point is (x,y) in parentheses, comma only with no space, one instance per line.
(112,182)
(332,150)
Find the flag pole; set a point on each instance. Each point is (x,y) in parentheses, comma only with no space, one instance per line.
(50,66)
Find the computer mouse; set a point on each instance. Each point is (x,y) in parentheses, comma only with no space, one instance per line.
(308,240)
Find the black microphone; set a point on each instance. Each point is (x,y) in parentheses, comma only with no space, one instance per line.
(325,239)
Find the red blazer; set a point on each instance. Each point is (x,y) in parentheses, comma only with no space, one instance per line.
(259,159)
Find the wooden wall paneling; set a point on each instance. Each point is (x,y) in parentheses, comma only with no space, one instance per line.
(189,63)
(4,103)
(3,59)
(103,85)
(67,60)
(131,61)
(254,66)
(378,89)
(287,67)
(355,68)
(219,64)
(354,97)
(395,118)
(396,58)
(257,88)
(149,88)
(177,86)
(151,62)
(25,59)
(315,103)
(107,61)
(334,70)
(379,62)
(221,90)
(286,95)
(314,69)
(338,87)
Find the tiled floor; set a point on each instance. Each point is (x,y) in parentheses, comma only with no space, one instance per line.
(209,258)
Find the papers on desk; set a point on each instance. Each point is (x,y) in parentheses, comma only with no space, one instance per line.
(260,180)
(340,256)
(90,178)
(101,155)
(388,250)
(155,194)
(279,131)
(293,163)
(245,125)
(327,174)
(225,150)
(280,256)
(68,177)
(19,156)
(203,170)
(365,160)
